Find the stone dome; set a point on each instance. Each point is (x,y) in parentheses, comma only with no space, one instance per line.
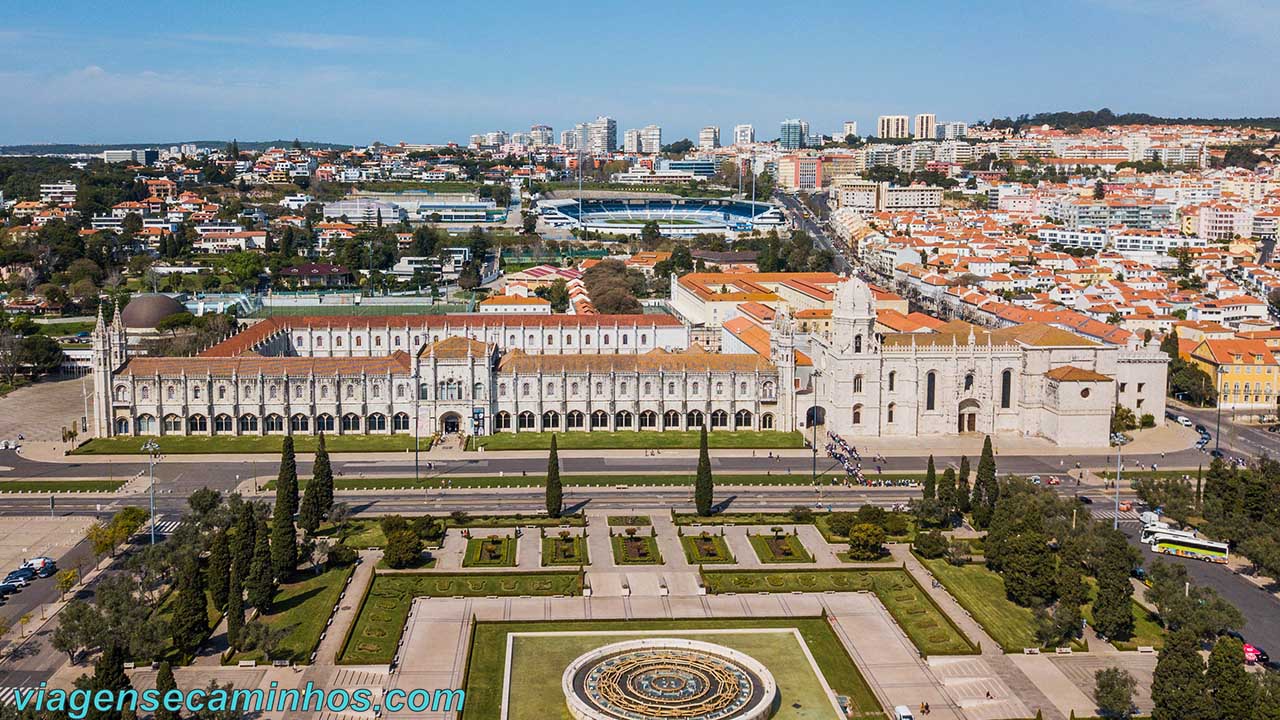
(144,312)
(853,298)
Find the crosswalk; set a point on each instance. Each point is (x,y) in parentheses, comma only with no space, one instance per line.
(1125,516)
(167,527)
(8,694)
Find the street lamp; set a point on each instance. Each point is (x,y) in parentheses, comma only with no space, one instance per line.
(813,424)
(151,448)
(1218,394)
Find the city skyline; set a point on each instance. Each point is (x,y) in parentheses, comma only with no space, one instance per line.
(116,77)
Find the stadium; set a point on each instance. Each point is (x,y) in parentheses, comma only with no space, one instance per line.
(679,217)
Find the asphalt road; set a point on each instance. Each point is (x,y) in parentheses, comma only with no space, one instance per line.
(799,215)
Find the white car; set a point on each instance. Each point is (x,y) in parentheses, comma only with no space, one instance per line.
(902,712)
(1184,421)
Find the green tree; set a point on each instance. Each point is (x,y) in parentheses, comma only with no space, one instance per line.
(703,486)
(243,540)
(930,481)
(1113,607)
(555,493)
(284,546)
(108,677)
(1029,569)
(932,544)
(964,498)
(190,624)
(235,604)
(404,549)
(1113,690)
(260,585)
(325,474)
(1178,686)
(947,492)
(218,570)
(313,509)
(866,542)
(165,682)
(1232,692)
(287,479)
(986,492)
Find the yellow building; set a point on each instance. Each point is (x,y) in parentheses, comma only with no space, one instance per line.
(1246,372)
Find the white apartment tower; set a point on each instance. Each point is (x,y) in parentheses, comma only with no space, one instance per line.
(540,135)
(744,134)
(926,126)
(709,138)
(631,141)
(889,127)
(602,135)
(954,130)
(651,139)
(850,128)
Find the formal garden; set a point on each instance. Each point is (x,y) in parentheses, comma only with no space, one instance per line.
(631,547)
(490,551)
(779,546)
(564,548)
(706,548)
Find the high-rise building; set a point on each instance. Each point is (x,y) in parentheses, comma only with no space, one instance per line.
(497,137)
(476,140)
(602,135)
(850,128)
(709,138)
(631,141)
(540,135)
(743,134)
(889,127)
(926,126)
(794,134)
(651,140)
(954,130)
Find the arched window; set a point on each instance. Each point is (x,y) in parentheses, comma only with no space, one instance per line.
(599,419)
(351,391)
(768,390)
(671,388)
(1006,389)
(359,341)
(670,419)
(742,419)
(643,338)
(599,388)
(338,342)
(742,388)
(694,419)
(197,423)
(299,423)
(930,390)
(324,392)
(648,388)
(606,339)
(719,389)
(857,383)
(377,391)
(968,381)
(694,388)
(396,341)
(274,393)
(145,424)
(648,419)
(551,388)
(719,418)
(172,424)
(350,422)
(766,421)
(168,393)
(893,380)
(145,392)
(319,342)
(223,424)
(477,391)
(378,342)
(568,339)
(297,392)
(248,423)
(574,420)
(551,420)
(857,343)
(622,419)
(502,389)
(400,392)
(400,422)
(889,414)
(524,390)
(622,389)
(376,421)
(273,423)
(122,393)
(586,340)
(122,426)
(857,414)
(550,339)
(526,420)
(502,421)
(222,392)
(195,392)
(573,388)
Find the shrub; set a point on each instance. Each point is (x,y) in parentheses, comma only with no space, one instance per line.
(872,515)
(340,555)
(896,523)
(1148,421)
(393,524)
(931,544)
(841,522)
(404,549)
(800,514)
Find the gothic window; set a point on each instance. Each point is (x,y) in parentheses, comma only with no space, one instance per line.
(742,419)
(222,392)
(526,420)
(857,343)
(400,421)
(376,421)
(145,392)
(573,388)
(324,392)
(599,419)
(622,419)
(694,388)
(893,377)
(648,388)
(168,393)
(1006,389)
(275,392)
(399,392)
(195,392)
(122,393)
(931,390)
(857,383)
(377,391)
(694,419)
(551,420)
(351,391)
(766,421)
(297,392)
(324,423)
(502,421)
(719,388)
(574,419)
(502,389)
(670,419)
(892,408)
(599,388)
(524,390)
(671,388)
(968,382)
(768,391)
(742,388)
(477,391)
(719,418)
(197,423)
(248,423)
(857,414)
(648,419)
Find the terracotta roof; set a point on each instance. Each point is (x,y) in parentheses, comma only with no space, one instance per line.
(957,332)
(455,347)
(1071,373)
(514,300)
(398,362)
(695,359)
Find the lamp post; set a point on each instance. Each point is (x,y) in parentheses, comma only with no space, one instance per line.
(813,424)
(151,447)
(1219,394)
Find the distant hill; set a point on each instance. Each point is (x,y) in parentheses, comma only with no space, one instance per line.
(90,149)
(1066,120)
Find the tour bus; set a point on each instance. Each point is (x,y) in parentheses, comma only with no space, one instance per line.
(1149,531)
(1184,545)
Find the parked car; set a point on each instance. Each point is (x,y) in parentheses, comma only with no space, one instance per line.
(8,588)
(1217,453)
(19,580)
(902,712)
(1202,429)
(1085,499)
(1184,421)
(1055,480)
(43,566)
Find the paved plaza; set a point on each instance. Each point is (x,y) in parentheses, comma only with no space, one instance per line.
(39,412)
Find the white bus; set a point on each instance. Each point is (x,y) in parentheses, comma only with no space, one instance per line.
(1149,531)
(1180,544)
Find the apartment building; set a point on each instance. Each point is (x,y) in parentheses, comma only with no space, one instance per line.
(893,127)
(926,126)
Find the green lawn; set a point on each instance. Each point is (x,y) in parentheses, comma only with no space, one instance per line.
(924,622)
(189,445)
(629,521)
(490,551)
(164,614)
(1147,630)
(757,518)
(385,606)
(539,480)
(663,221)
(600,440)
(59,486)
(981,592)
(538,663)
(564,551)
(303,607)
(782,549)
(636,550)
(707,549)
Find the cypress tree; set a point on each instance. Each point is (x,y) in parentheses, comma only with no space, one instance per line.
(108,675)
(243,542)
(555,493)
(219,569)
(284,546)
(309,515)
(1232,691)
(235,605)
(964,501)
(164,683)
(190,622)
(947,492)
(985,483)
(703,487)
(1113,608)
(1178,686)
(260,584)
(323,473)
(930,481)
(287,479)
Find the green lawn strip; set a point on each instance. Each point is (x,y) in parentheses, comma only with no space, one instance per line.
(490,551)
(981,592)
(59,486)
(164,614)
(1147,630)
(706,550)
(844,557)
(1129,475)
(564,551)
(629,521)
(425,563)
(928,627)
(385,606)
(672,439)
(644,544)
(820,521)
(764,547)
(467,482)
(302,607)
(487,659)
(194,445)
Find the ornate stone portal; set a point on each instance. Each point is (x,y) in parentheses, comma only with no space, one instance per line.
(668,678)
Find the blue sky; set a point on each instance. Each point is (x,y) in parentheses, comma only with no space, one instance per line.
(355,72)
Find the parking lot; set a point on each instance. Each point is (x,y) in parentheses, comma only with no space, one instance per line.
(26,537)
